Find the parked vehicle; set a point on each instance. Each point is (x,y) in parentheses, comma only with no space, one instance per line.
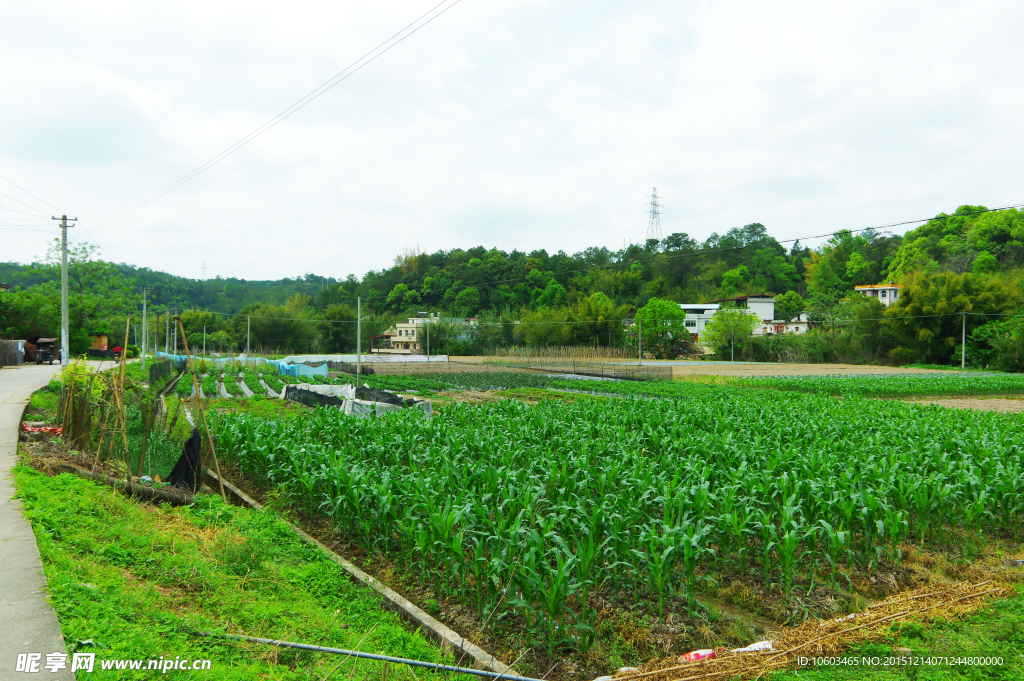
(44,350)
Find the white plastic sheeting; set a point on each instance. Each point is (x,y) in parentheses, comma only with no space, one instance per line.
(363,409)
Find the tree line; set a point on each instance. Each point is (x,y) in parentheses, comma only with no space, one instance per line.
(959,271)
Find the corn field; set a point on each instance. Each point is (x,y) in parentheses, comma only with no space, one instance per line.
(897,385)
(542,513)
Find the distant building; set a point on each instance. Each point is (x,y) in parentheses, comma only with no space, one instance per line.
(5,287)
(761,305)
(404,338)
(697,317)
(798,324)
(886,294)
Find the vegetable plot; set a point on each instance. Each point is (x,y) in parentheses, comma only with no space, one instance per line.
(568,504)
(896,385)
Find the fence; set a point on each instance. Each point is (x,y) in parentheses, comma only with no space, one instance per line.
(9,354)
(159,370)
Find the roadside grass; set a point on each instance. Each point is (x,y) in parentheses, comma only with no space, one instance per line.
(46,401)
(136,581)
(993,632)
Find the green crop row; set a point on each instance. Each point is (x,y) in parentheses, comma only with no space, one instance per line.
(637,498)
(897,385)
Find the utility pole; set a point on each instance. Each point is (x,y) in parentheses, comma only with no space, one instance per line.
(640,342)
(176,334)
(145,329)
(963,342)
(359,336)
(428,340)
(204,340)
(64,316)
(167,333)
(247,328)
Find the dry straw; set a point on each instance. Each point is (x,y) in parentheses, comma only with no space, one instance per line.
(818,638)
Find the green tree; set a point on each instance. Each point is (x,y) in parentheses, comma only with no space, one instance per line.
(97,294)
(984,262)
(397,295)
(598,321)
(554,296)
(337,329)
(468,301)
(411,298)
(928,320)
(273,328)
(661,328)
(734,281)
(789,305)
(545,328)
(727,329)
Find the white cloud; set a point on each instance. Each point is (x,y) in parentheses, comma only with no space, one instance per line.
(510,124)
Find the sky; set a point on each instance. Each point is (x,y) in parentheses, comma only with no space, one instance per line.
(515,125)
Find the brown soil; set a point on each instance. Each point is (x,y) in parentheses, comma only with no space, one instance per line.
(1008,405)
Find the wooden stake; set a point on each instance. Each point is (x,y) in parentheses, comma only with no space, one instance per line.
(119,388)
(103,433)
(202,412)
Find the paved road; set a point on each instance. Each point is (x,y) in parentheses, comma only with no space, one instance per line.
(28,623)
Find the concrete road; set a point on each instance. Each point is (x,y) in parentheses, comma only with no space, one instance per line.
(28,623)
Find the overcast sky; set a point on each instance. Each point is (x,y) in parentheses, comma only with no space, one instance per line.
(517,125)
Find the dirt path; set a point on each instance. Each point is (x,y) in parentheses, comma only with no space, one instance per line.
(1009,405)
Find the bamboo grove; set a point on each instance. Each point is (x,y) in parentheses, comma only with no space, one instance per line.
(546,512)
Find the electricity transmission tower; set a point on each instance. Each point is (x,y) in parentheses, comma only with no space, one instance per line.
(654,221)
(204,270)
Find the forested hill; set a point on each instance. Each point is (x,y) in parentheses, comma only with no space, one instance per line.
(969,262)
(167,290)
(744,260)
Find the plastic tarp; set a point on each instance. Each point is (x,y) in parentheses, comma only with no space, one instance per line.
(318,395)
(179,361)
(368,358)
(364,409)
(301,370)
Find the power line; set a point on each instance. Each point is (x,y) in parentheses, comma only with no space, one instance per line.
(30,194)
(39,212)
(342,75)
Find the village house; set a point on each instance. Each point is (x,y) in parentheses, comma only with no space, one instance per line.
(886,294)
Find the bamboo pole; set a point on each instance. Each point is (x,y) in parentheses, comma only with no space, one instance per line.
(202,412)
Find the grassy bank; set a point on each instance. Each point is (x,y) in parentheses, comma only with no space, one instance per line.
(136,581)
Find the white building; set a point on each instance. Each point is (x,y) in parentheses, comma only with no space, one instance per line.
(761,305)
(404,338)
(798,324)
(699,314)
(697,317)
(886,294)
